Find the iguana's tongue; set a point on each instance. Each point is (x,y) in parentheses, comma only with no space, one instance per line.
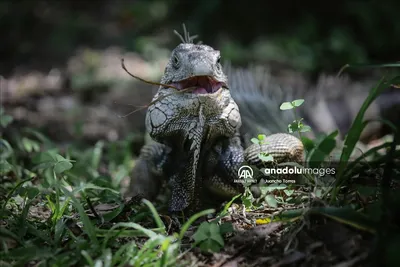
(200,90)
(203,85)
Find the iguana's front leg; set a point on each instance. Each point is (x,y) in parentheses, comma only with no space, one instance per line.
(158,164)
(224,161)
(150,171)
(184,180)
(227,156)
(180,126)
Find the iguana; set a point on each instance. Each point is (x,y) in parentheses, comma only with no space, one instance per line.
(195,126)
(196,129)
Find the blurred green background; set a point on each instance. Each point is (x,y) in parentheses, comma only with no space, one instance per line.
(307,36)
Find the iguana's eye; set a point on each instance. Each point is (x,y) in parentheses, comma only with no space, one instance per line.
(176,61)
(219,60)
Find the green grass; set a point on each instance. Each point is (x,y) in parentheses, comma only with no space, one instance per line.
(49,216)
(51,209)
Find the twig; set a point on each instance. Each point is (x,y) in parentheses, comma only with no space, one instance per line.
(156,100)
(342,70)
(143,80)
(179,91)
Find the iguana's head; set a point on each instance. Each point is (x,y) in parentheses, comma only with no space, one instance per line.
(195,65)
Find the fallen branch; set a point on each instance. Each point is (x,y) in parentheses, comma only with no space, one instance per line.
(143,80)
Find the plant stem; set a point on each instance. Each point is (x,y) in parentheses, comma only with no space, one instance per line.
(295,119)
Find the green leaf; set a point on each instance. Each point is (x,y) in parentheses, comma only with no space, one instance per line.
(30,145)
(5,167)
(271,201)
(50,204)
(322,150)
(305,128)
(192,219)
(210,245)
(63,208)
(44,166)
(42,139)
(48,156)
(265,157)
(32,192)
(261,137)
(318,193)
(5,120)
(62,166)
(293,127)
(27,144)
(209,237)
(288,192)
(308,143)
(97,153)
(297,102)
(280,187)
(226,228)
(58,158)
(6,149)
(255,141)
(247,199)
(215,234)
(202,232)
(272,187)
(286,106)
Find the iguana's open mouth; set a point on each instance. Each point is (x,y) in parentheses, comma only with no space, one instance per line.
(201,84)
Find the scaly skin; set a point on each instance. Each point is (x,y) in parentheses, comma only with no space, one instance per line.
(197,133)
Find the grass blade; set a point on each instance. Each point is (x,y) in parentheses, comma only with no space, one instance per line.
(87,224)
(156,216)
(354,134)
(192,219)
